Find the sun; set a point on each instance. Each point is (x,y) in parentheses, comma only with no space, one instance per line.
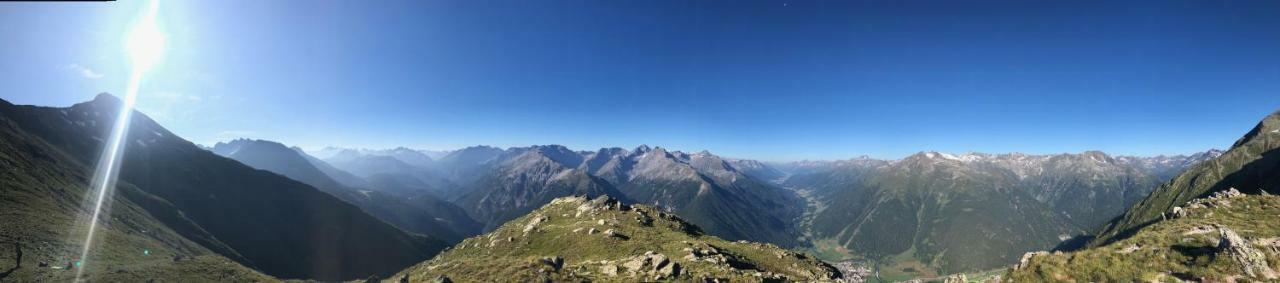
(145,43)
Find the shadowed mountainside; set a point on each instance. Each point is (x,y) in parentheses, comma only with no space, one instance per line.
(280,226)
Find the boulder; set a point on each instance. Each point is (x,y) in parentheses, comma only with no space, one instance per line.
(668,270)
(1252,261)
(1178,212)
(555,262)
(1026,259)
(533,223)
(1130,249)
(651,264)
(659,260)
(1229,193)
(635,264)
(609,269)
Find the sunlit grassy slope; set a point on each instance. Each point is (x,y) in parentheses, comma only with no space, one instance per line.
(575,239)
(1185,248)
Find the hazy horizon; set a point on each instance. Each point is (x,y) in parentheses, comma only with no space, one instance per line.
(314,150)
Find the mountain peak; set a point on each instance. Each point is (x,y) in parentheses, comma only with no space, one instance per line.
(660,151)
(101,101)
(479,147)
(932,155)
(1269,125)
(106,98)
(1098,156)
(557,153)
(551,147)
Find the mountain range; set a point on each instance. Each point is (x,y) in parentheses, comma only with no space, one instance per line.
(496,185)
(958,202)
(258,219)
(1213,222)
(268,210)
(1252,166)
(972,211)
(403,203)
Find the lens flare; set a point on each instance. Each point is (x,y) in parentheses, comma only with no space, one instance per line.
(145,46)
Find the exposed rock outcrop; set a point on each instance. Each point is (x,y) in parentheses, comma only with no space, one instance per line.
(1026,259)
(1253,261)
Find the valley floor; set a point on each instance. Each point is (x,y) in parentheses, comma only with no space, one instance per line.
(849,263)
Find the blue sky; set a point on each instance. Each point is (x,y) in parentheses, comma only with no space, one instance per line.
(773,80)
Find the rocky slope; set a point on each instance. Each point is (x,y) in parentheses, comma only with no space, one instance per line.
(1227,237)
(282,227)
(574,239)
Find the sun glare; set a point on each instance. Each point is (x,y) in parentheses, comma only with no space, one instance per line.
(145,44)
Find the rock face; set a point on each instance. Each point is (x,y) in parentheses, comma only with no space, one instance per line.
(1026,259)
(1251,260)
(627,243)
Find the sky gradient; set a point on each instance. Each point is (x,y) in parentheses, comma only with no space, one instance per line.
(772,80)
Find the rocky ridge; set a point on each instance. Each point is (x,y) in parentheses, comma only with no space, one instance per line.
(602,239)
